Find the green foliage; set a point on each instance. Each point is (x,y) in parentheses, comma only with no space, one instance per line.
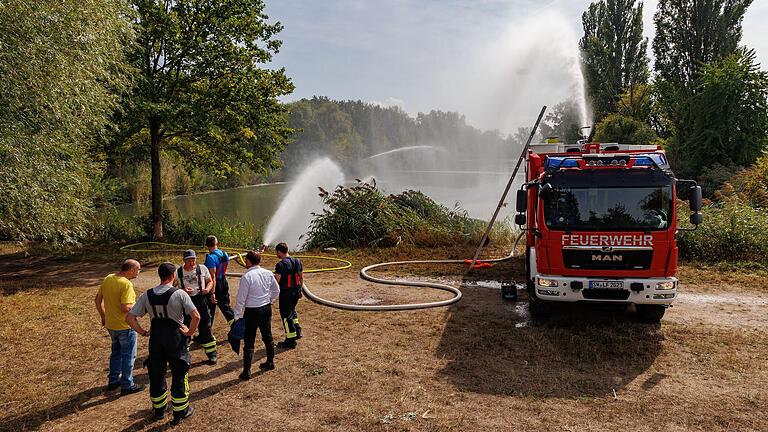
(689,35)
(202,92)
(361,216)
(731,232)
(63,69)
(728,115)
(613,52)
(749,186)
(621,129)
(194,231)
(111,227)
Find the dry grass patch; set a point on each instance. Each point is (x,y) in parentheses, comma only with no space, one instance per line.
(478,365)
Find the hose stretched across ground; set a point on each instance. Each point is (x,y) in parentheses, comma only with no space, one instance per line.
(238,257)
(410,306)
(237,254)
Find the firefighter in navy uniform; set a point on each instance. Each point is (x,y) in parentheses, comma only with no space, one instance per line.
(289,273)
(196,281)
(168,338)
(217,261)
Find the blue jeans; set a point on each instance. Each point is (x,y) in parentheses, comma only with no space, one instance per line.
(122,357)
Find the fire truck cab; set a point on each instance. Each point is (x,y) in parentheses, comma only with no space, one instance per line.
(600,223)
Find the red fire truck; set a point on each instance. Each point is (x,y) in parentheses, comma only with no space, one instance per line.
(601,223)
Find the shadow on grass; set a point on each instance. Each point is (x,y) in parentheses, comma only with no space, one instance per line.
(83,400)
(24,273)
(194,397)
(495,348)
(97,396)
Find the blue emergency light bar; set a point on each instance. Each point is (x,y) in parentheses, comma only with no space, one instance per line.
(555,162)
(640,160)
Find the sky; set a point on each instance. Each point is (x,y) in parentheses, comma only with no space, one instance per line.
(495,61)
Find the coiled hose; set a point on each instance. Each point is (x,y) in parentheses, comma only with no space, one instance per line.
(410,306)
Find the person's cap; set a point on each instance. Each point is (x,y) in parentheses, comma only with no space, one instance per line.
(166,270)
(189,253)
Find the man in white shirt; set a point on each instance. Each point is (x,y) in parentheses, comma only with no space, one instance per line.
(258,289)
(196,280)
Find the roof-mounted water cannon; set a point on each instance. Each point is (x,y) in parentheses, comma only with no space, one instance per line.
(585,132)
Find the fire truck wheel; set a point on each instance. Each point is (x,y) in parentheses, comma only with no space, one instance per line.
(650,313)
(538,308)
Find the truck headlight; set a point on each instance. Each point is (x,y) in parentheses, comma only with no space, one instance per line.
(547,282)
(665,285)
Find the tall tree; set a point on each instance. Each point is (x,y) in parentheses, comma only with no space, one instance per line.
(728,114)
(613,52)
(63,67)
(202,92)
(689,35)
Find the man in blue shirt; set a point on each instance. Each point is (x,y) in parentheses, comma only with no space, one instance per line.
(216,261)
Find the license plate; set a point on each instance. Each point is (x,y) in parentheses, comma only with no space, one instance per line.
(607,284)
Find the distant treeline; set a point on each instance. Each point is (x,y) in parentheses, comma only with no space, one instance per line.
(351,131)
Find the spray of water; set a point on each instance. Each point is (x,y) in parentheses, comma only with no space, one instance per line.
(402,149)
(580,93)
(506,78)
(292,218)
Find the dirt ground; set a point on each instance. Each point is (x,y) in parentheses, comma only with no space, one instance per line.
(481,364)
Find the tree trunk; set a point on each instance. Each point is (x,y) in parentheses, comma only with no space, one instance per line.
(157,189)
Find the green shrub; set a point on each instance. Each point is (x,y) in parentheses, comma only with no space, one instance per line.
(731,232)
(748,186)
(361,216)
(194,231)
(111,227)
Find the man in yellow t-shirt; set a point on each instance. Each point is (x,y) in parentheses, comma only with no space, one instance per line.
(113,301)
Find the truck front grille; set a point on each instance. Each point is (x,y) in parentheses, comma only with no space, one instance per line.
(614,260)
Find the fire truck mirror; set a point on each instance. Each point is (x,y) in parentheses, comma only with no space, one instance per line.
(520,219)
(522,201)
(546,191)
(695,198)
(696,218)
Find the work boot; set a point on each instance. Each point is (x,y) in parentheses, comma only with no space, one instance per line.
(287,344)
(298,331)
(132,389)
(270,363)
(247,360)
(181,415)
(213,358)
(158,414)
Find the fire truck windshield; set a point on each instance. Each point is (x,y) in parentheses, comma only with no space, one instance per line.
(609,201)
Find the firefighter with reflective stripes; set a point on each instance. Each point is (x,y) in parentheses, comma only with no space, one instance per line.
(217,261)
(196,281)
(289,273)
(168,338)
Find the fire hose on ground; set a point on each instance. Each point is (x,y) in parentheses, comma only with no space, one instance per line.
(238,253)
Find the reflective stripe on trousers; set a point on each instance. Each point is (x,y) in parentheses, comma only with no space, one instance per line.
(180,404)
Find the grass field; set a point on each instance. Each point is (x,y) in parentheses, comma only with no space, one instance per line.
(478,365)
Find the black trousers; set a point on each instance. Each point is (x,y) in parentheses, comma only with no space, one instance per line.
(260,319)
(222,301)
(207,340)
(168,347)
(288,300)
